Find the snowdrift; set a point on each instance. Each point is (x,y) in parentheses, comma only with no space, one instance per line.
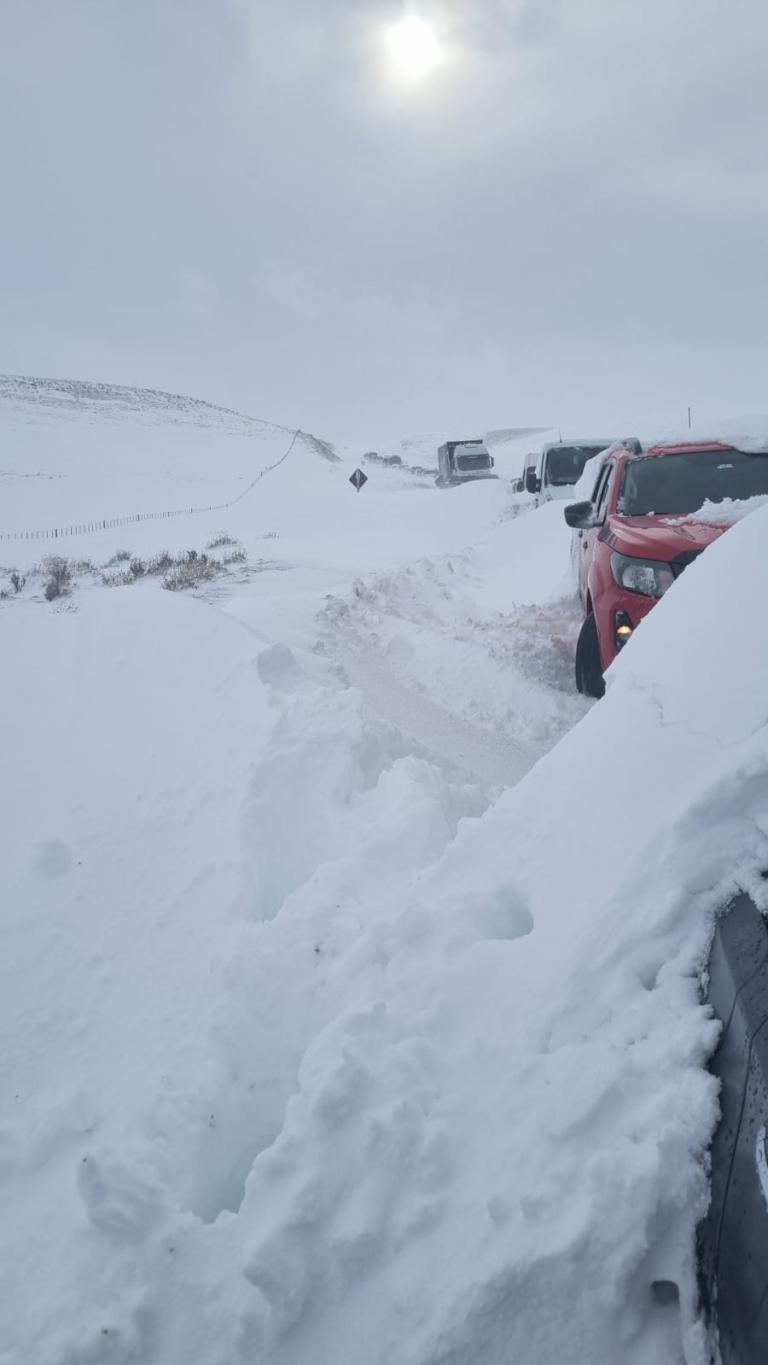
(498,1141)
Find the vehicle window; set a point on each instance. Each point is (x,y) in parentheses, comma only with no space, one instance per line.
(599,488)
(602,475)
(565,464)
(602,503)
(477,460)
(680,484)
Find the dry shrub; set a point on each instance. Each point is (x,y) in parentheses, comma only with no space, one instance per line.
(190,571)
(58,577)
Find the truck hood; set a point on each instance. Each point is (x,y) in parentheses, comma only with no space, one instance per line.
(659,537)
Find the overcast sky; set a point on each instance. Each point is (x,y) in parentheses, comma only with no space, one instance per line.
(567,222)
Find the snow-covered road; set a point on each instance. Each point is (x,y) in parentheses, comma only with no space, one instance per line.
(349,1006)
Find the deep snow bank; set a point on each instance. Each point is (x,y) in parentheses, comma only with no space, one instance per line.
(498,1142)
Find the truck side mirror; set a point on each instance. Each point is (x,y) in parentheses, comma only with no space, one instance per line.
(532,483)
(580,516)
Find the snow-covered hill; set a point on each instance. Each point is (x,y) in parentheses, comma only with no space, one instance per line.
(118,402)
(349,1005)
(108,452)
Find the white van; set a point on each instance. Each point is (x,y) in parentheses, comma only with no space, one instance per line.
(554,471)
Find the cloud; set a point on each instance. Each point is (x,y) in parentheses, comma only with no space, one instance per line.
(569,219)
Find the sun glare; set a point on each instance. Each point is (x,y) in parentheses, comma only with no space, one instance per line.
(414,49)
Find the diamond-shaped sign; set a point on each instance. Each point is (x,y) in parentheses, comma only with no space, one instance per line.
(358,479)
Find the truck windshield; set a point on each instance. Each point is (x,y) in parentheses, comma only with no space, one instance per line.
(565,464)
(477,460)
(683,483)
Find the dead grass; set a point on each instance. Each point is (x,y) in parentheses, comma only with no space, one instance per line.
(220,540)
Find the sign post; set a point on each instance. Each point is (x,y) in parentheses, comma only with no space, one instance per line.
(358,479)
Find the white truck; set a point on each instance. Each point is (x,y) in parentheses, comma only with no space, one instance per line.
(554,470)
(462,462)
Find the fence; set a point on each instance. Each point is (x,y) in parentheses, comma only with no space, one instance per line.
(89,527)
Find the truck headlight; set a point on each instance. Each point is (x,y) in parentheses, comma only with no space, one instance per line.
(651,577)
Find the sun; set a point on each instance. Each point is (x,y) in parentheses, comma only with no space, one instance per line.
(414,49)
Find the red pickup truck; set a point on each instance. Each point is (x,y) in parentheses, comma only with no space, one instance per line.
(640,529)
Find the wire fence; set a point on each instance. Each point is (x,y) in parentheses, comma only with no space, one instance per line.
(107,523)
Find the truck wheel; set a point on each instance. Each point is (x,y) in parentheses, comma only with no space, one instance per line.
(589,670)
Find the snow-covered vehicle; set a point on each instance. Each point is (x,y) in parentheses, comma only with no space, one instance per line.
(556,468)
(463,461)
(652,512)
(733,1239)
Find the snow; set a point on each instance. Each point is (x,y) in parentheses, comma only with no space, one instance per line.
(350,1005)
(724,513)
(748,432)
(584,488)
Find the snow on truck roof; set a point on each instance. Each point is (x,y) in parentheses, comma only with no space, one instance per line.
(640,449)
